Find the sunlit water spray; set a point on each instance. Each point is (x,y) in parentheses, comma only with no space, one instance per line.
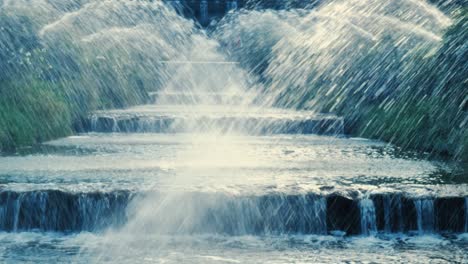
(188,75)
(253,60)
(342,48)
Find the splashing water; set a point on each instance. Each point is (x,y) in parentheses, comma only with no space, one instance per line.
(368,61)
(344,47)
(204,188)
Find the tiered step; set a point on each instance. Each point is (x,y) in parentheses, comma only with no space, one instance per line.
(209,118)
(53,210)
(216,213)
(196,171)
(281,184)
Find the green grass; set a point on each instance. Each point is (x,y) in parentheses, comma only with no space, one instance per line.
(31,113)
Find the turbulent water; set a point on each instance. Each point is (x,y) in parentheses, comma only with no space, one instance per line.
(210,170)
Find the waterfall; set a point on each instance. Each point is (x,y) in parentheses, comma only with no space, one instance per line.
(234,215)
(115,125)
(368,218)
(387,203)
(275,214)
(399,213)
(16,210)
(94,122)
(466,214)
(320,216)
(231,5)
(61,211)
(204,11)
(425,215)
(393,214)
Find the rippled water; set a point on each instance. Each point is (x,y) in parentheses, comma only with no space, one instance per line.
(236,164)
(87,247)
(173,228)
(250,196)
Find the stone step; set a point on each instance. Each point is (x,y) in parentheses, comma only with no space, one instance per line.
(276,213)
(214,118)
(239,185)
(54,210)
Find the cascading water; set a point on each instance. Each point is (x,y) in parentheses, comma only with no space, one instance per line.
(393,214)
(425,215)
(387,214)
(223,214)
(231,5)
(204,11)
(368,219)
(58,211)
(466,214)
(207,168)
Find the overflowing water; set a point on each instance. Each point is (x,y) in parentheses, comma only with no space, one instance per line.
(368,219)
(236,150)
(466,214)
(425,214)
(393,214)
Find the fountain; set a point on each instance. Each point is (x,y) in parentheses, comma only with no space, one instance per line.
(193,149)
